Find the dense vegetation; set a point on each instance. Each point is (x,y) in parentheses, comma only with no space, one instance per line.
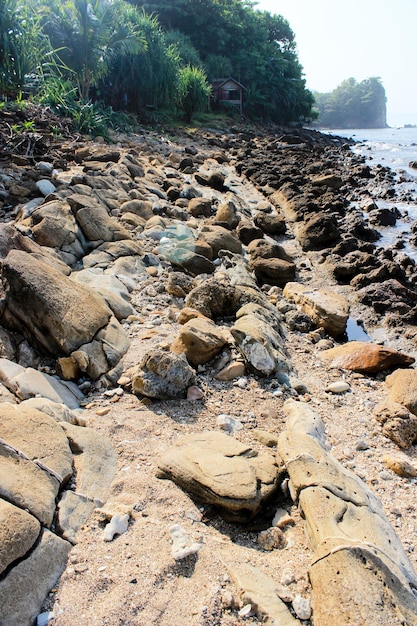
(89,58)
(353,105)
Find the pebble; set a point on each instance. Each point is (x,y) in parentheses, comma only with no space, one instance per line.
(272,539)
(287,578)
(45,186)
(228,423)
(104,411)
(242,382)
(245,611)
(302,607)
(400,466)
(339,386)
(182,544)
(361,445)
(194,393)
(117,526)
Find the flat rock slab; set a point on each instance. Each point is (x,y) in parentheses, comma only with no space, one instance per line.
(73,511)
(39,437)
(30,383)
(261,591)
(18,532)
(26,586)
(218,469)
(94,462)
(366,358)
(27,486)
(327,309)
(361,573)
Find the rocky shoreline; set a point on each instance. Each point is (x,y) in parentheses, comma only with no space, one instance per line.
(187,436)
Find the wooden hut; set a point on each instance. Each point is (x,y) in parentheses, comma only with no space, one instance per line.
(228,90)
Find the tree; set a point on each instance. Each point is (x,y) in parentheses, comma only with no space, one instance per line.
(147,77)
(353,105)
(255,47)
(193,91)
(87,35)
(23,45)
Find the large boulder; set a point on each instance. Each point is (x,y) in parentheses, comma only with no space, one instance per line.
(94,220)
(327,309)
(366,358)
(317,232)
(360,572)
(218,469)
(49,308)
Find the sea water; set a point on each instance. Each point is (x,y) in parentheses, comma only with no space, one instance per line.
(394,148)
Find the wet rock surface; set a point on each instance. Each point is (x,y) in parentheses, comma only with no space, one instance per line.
(168,305)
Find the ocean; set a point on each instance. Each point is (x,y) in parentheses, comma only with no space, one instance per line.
(393,148)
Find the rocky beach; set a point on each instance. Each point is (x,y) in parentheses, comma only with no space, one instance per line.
(208,388)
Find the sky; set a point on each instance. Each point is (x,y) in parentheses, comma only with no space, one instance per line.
(339,39)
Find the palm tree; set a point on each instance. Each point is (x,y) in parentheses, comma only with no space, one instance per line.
(23,45)
(88,34)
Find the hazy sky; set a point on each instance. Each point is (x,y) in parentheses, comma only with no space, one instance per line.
(339,39)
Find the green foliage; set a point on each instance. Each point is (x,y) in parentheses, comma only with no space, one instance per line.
(255,47)
(353,105)
(193,91)
(146,78)
(23,45)
(134,55)
(187,53)
(88,33)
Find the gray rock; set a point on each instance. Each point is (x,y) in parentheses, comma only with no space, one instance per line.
(73,511)
(262,592)
(259,340)
(162,375)
(28,583)
(94,462)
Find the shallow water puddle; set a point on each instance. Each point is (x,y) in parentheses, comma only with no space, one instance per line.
(355,332)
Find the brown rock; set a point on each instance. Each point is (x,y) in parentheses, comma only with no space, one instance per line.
(220,238)
(220,470)
(60,314)
(327,309)
(400,465)
(367,358)
(199,207)
(200,340)
(398,424)
(403,388)
(18,532)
